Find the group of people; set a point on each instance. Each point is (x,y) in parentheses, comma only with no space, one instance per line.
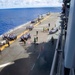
(35,39)
(46,28)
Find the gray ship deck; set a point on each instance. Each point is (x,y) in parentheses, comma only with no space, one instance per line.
(19,59)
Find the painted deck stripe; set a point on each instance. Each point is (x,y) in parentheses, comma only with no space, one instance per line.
(4,46)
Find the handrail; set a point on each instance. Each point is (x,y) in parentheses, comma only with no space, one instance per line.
(55,57)
(72,72)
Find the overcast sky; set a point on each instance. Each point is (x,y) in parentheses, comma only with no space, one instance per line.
(29,3)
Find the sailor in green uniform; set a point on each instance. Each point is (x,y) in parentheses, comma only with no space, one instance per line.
(34,40)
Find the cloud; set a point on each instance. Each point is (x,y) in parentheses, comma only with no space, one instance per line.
(29,3)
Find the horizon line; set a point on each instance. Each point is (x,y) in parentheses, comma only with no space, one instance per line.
(31,7)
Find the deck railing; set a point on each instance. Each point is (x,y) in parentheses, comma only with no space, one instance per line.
(57,55)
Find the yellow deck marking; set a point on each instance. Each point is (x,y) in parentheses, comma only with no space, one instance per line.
(41,21)
(6,45)
(22,33)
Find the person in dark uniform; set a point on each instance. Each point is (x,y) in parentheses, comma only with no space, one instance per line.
(7,42)
(37,38)
(49,25)
(24,41)
(34,40)
(36,32)
(52,40)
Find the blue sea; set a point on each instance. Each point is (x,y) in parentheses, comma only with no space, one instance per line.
(11,18)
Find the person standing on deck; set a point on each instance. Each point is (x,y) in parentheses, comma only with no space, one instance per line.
(36,32)
(48,24)
(37,38)
(24,41)
(7,42)
(52,40)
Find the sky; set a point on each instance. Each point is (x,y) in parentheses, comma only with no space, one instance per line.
(29,3)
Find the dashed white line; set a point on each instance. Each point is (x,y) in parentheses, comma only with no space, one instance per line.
(33,66)
(38,56)
(34,63)
(6,64)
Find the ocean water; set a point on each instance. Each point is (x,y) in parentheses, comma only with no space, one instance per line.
(11,18)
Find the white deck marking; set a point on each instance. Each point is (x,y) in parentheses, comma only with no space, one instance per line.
(33,66)
(6,64)
(38,56)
